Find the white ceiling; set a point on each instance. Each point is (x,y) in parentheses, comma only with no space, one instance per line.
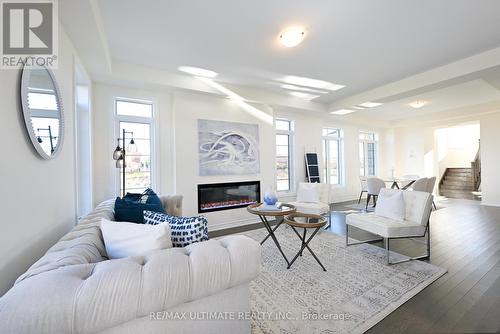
(358,43)
(469,93)
(371,47)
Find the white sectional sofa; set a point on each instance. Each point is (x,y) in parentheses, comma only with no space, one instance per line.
(74,288)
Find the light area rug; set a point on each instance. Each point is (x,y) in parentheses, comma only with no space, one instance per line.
(356,292)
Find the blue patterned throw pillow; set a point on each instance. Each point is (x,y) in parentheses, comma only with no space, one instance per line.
(185,230)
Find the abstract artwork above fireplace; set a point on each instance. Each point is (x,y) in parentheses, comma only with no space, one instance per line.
(228,148)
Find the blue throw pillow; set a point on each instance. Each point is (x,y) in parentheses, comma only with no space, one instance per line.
(148,197)
(131,207)
(185,230)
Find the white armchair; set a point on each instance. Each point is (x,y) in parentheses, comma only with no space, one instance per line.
(374,185)
(415,224)
(364,187)
(420,184)
(431,183)
(313,198)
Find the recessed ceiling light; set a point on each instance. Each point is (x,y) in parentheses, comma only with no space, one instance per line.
(359,108)
(196,71)
(311,83)
(303,89)
(305,96)
(418,104)
(292,36)
(370,104)
(342,112)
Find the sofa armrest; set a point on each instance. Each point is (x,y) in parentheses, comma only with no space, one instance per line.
(92,297)
(172,204)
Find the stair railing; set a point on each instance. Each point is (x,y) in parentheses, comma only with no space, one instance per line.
(476,169)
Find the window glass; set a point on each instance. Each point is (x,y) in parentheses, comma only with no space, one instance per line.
(368,153)
(332,155)
(42,101)
(138,164)
(135,119)
(136,109)
(283,154)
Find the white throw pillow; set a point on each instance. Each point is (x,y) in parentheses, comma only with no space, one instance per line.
(308,193)
(123,239)
(391,204)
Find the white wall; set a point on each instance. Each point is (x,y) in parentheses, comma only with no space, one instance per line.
(417,150)
(490,159)
(456,146)
(177,113)
(188,108)
(37,200)
(308,138)
(106,183)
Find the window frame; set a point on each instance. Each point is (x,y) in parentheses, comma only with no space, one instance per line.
(365,142)
(151,121)
(291,156)
(339,137)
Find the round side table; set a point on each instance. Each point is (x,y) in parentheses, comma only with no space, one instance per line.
(306,222)
(283,210)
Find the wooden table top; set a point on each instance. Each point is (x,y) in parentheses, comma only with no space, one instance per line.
(286,209)
(304,220)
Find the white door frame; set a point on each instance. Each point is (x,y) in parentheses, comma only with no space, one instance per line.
(81,78)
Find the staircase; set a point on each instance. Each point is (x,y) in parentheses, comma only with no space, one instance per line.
(463,183)
(457,183)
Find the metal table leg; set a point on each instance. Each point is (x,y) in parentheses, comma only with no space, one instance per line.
(305,244)
(271,234)
(274,229)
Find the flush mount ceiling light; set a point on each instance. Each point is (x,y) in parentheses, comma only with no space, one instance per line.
(418,104)
(303,89)
(310,83)
(359,108)
(292,36)
(342,112)
(370,104)
(305,96)
(199,72)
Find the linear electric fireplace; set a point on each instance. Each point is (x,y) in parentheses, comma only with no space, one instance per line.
(225,196)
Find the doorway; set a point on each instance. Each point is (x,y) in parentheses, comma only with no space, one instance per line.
(458,158)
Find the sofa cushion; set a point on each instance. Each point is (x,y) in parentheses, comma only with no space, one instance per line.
(311,208)
(128,210)
(185,230)
(308,193)
(385,227)
(391,204)
(123,239)
(147,197)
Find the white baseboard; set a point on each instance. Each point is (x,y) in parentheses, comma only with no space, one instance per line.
(253,220)
(234,223)
(490,204)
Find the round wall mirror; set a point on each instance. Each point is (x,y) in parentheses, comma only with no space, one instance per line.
(42,110)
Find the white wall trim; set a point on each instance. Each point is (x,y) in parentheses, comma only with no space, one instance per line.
(490,204)
(234,223)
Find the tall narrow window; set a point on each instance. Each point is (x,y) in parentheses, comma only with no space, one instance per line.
(136,119)
(332,156)
(284,149)
(368,153)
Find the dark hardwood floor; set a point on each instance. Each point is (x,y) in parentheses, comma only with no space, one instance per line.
(466,241)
